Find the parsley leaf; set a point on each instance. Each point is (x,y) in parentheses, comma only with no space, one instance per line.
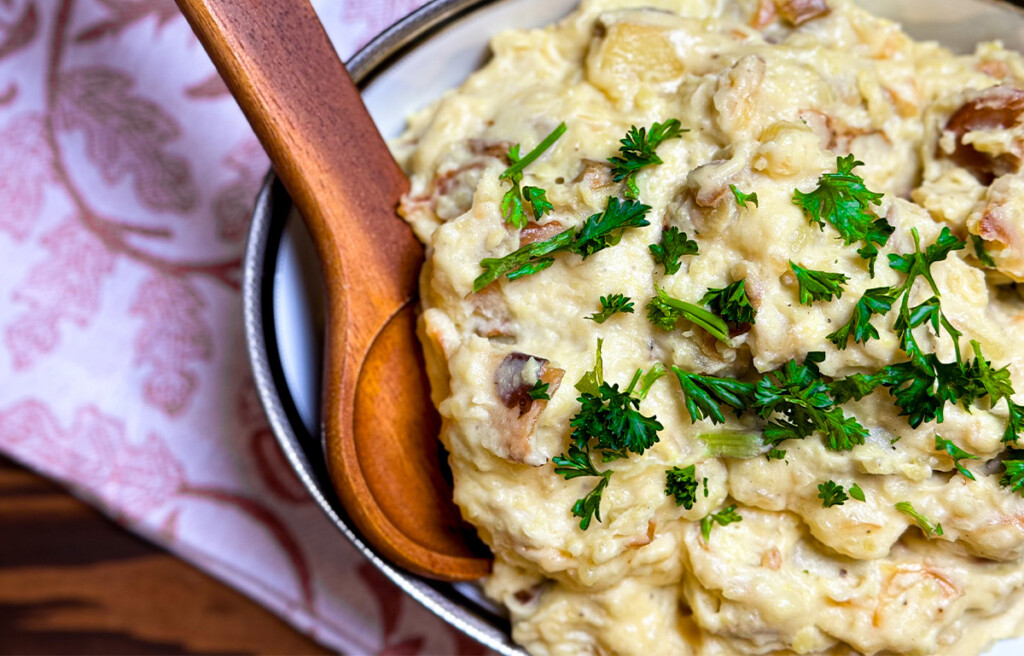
(637,152)
(512,202)
(818,285)
(538,200)
(957,454)
(731,303)
(600,231)
(1015,423)
(682,485)
(1013,477)
(842,199)
(664,311)
(877,300)
(705,394)
(674,244)
(590,506)
(591,380)
(612,419)
(741,198)
(539,391)
(722,518)
(831,494)
(981,253)
(929,529)
(856,492)
(612,304)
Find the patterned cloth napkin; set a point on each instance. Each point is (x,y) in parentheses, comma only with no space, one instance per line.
(127,174)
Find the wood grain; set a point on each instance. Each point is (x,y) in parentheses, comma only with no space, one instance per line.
(71,581)
(380,428)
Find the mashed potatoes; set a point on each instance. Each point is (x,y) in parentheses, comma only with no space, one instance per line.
(924,554)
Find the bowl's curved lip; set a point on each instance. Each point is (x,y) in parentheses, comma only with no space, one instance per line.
(272,201)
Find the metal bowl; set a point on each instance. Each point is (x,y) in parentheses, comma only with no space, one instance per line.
(403,69)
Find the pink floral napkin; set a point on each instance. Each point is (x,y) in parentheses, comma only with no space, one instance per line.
(127,175)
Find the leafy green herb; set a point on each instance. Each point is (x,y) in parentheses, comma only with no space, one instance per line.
(656,372)
(856,492)
(877,300)
(664,311)
(591,380)
(575,464)
(741,198)
(798,394)
(775,454)
(638,151)
(981,253)
(732,444)
(705,395)
(590,506)
(1013,477)
(1015,423)
(831,494)
(682,485)
(512,202)
(600,231)
(929,529)
(722,518)
(818,285)
(613,420)
(539,391)
(612,304)
(957,454)
(674,244)
(842,200)
(538,200)
(731,303)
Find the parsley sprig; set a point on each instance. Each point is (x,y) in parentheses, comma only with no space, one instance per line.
(681,484)
(598,232)
(731,303)
(957,454)
(818,285)
(611,305)
(638,151)
(609,422)
(512,209)
(723,517)
(674,245)
(665,311)
(831,494)
(741,198)
(923,522)
(842,200)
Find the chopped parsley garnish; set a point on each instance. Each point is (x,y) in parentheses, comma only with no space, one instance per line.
(722,518)
(682,485)
(1013,477)
(1015,423)
(674,244)
(741,198)
(925,525)
(612,304)
(539,391)
(831,494)
(798,394)
(981,253)
(877,300)
(600,231)
(842,200)
(609,422)
(856,492)
(512,203)
(705,395)
(637,152)
(818,285)
(731,303)
(664,311)
(957,454)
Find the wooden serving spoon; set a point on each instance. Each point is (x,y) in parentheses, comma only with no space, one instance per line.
(380,427)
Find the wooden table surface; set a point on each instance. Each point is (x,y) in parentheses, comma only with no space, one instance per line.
(73,582)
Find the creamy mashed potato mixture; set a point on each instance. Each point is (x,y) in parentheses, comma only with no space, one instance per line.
(828,464)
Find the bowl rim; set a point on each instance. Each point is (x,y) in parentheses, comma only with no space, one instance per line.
(265,231)
(263,240)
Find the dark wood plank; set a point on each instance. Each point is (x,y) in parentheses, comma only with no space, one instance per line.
(72,582)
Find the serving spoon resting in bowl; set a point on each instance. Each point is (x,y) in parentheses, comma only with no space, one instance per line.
(379,425)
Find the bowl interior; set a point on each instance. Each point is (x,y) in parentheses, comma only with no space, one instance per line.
(405,69)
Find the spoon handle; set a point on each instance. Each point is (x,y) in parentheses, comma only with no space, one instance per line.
(280,65)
